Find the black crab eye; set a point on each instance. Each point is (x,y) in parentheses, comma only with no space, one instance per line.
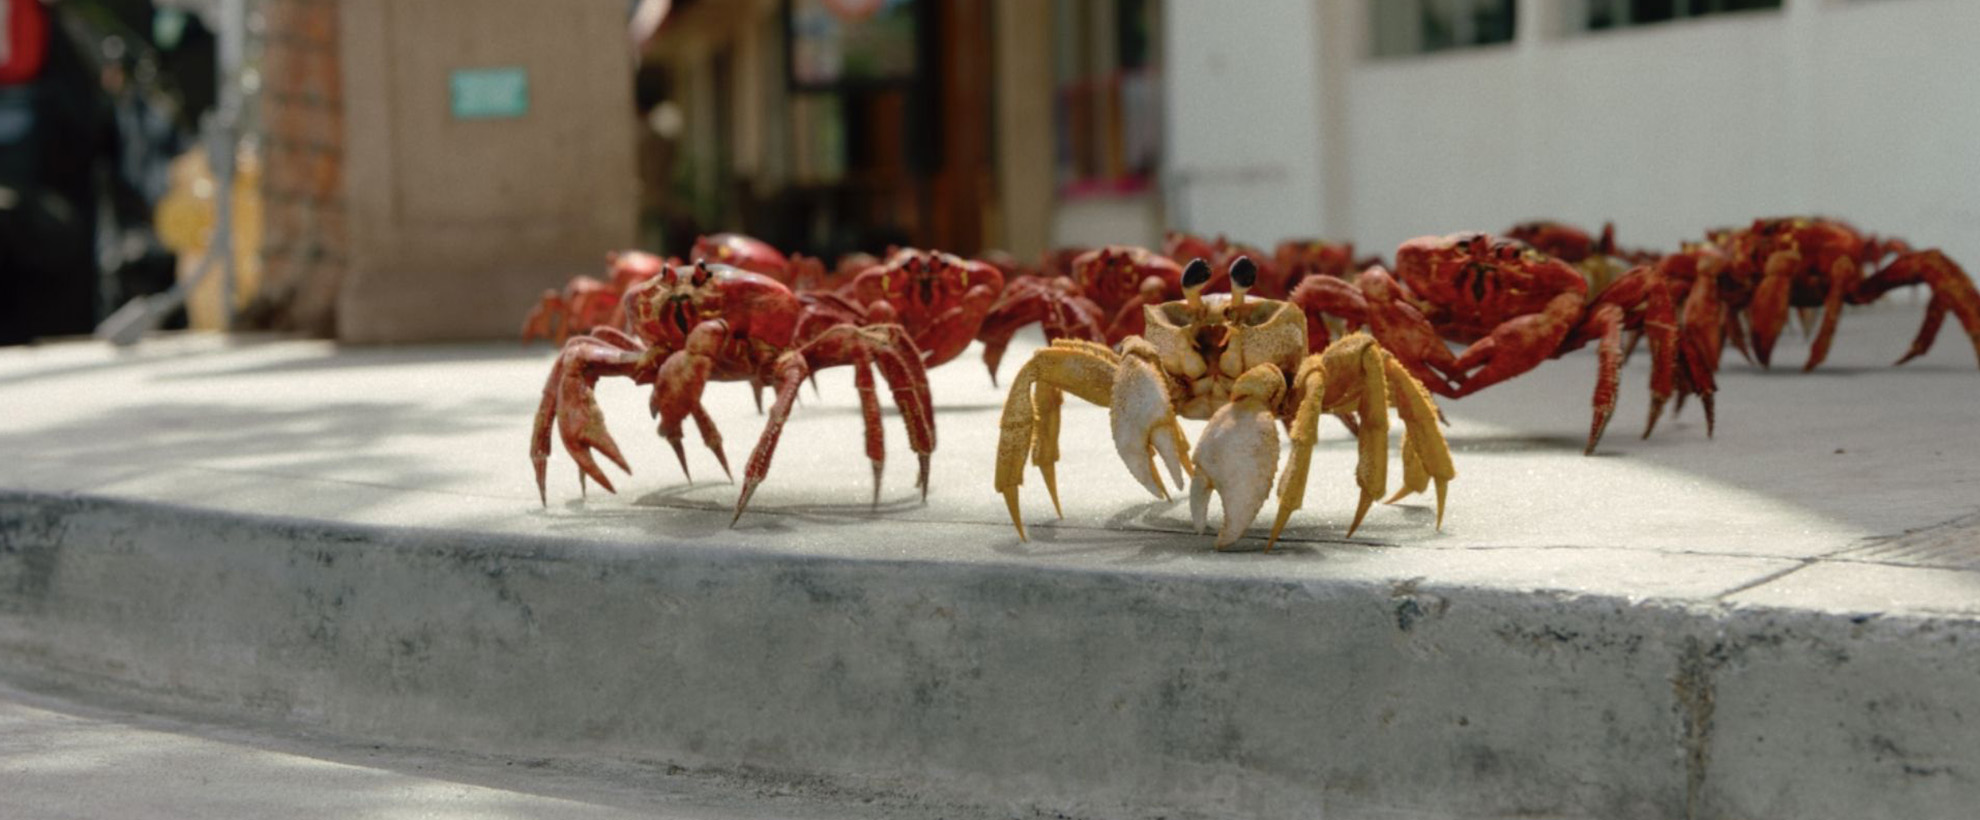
(1196,273)
(701,274)
(1244,272)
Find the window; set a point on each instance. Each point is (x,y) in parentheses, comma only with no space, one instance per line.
(1108,118)
(1605,14)
(1422,26)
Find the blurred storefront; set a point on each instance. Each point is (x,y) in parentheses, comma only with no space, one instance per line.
(835,125)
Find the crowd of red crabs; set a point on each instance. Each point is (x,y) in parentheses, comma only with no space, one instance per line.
(1460,312)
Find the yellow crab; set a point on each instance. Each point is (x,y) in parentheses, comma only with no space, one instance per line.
(1243,364)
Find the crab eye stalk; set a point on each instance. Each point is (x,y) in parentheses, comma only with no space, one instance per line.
(1195,276)
(701,274)
(1244,274)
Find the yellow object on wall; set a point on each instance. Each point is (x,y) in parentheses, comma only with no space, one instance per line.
(185,218)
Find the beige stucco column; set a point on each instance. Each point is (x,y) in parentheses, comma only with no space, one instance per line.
(1024,125)
(457,223)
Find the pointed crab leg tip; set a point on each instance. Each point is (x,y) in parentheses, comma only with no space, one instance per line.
(742,501)
(1011,503)
(599,477)
(1360,512)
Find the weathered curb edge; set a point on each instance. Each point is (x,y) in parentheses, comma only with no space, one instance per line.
(1080,692)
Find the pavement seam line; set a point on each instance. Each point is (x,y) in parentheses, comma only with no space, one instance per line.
(1769,578)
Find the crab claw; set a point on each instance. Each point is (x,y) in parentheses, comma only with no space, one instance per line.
(1237,456)
(1144,422)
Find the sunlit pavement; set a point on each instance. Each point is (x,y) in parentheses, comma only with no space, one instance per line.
(347,539)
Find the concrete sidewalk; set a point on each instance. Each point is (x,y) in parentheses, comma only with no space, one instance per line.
(1761,625)
(61,759)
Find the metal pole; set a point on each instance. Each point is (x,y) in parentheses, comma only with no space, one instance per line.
(232,52)
(129,323)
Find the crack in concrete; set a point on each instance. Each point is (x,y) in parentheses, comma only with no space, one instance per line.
(1767,579)
(1692,686)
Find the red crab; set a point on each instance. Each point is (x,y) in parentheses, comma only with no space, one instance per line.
(940,298)
(1809,262)
(746,252)
(1595,255)
(1569,243)
(1296,259)
(1053,303)
(1515,307)
(587,302)
(695,323)
(1102,301)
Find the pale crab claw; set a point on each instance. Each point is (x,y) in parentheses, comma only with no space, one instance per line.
(1237,456)
(1145,423)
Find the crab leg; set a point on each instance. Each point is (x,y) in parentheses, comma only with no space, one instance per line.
(1606,322)
(1935,317)
(677,388)
(1514,347)
(545,321)
(1322,296)
(1407,334)
(889,347)
(1060,315)
(869,411)
(1065,366)
(1770,303)
(1025,304)
(1308,388)
(1371,468)
(1357,373)
(1426,456)
(1700,342)
(938,342)
(711,437)
(901,365)
(1952,292)
(1844,278)
(568,402)
(1735,332)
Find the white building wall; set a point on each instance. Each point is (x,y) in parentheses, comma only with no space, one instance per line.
(1242,85)
(1863,109)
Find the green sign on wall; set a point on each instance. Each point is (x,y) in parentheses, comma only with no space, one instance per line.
(489,93)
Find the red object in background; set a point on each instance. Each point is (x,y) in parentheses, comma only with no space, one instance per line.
(854,11)
(23,40)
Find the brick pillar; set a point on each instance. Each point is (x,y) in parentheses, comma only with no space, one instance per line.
(305,239)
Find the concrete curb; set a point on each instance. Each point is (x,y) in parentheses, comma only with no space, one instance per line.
(1074,691)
